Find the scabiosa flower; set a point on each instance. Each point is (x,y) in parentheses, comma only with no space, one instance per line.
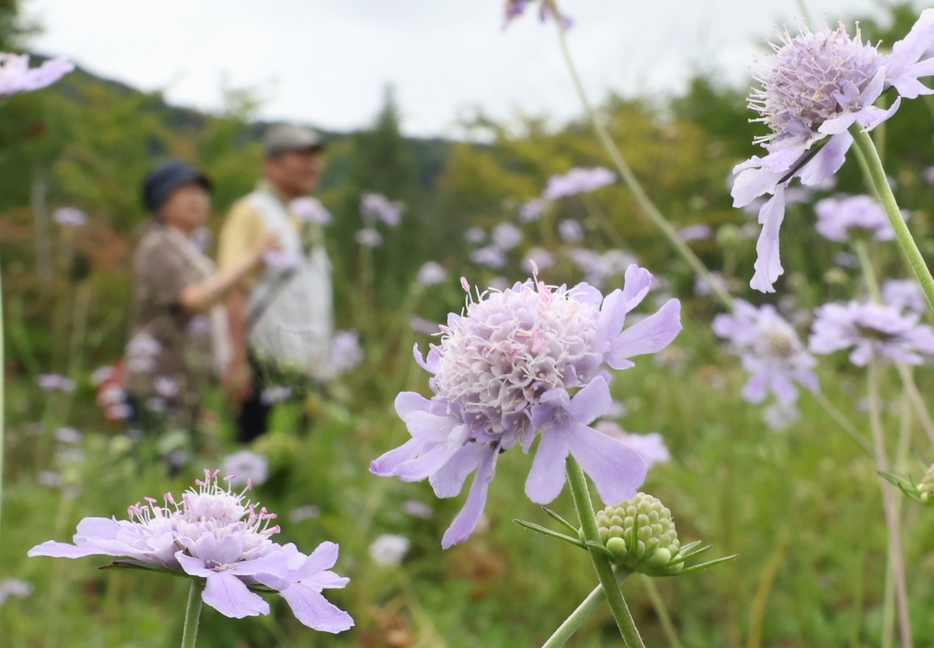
(928,175)
(540,257)
(199,326)
(770,350)
(375,207)
(698,232)
(52,382)
(421,325)
(820,83)
(779,416)
(16,76)
(577,181)
(903,294)
(246,467)
(431,273)
(275,394)
(283,261)
(389,549)
(489,256)
(418,509)
(68,435)
(515,8)
(346,352)
(165,386)
(702,288)
(570,231)
(13,587)
(310,210)
(219,535)
(70,217)
(475,235)
(853,217)
(523,363)
(597,268)
(506,236)
(368,237)
(532,210)
(650,446)
(871,328)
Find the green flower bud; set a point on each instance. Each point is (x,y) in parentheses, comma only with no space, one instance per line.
(926,487)
(641,536)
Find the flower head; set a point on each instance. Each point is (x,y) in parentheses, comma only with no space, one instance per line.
(577,181)
(698,232)
(540,257)
(532,210)
(346,352)
(506,236)
(871,328)
(15,588)
(310,210)
(490,256)
(52,382)
(70,217)
(246,466)
(770,350)
(515,8)
(650,446)
(376,207)
(640,534)
(217,534)
(520,364)
(389,549)
(850,217)
(16,76)
(820,83)
(570,231)
(431,273)
(903,294)
(368,237)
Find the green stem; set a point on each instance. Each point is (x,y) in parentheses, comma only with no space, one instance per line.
(583,611)
(869,273)
(896,560)
(614,597)
(843,422)
(877,179)
(632,183)
(192,613)
(664,618)
(2,423)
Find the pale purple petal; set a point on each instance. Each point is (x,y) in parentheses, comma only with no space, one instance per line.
(650,335)
(228,595)
(64,550)
(591,402)
(547,476)
(315,611)
(826,162)
(616,471)
(768,266)
(449,481)
(466,521)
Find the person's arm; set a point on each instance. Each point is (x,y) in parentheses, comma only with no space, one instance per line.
(236,381)
(201,296)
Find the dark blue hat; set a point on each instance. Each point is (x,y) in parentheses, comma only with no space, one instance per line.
(165,179)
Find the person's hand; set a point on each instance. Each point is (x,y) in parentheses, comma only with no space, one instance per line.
(270,243)
(237,382)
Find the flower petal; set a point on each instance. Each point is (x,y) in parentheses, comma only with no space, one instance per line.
(228,595)
(547,476)
(54,549)
(616,471)
(449,481)
(768,266)
(825,162)
(466,521)
(650,335)
(591,402)
(315,611)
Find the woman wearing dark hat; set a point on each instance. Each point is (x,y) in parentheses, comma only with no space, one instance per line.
(170,354)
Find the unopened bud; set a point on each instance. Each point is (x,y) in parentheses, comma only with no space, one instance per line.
(641,536)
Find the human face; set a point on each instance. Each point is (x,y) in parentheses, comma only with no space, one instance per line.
(187,207)
(295,173)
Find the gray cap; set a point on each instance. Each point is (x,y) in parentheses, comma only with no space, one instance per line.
(290,137)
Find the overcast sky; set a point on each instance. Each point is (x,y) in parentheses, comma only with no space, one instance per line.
(326,62)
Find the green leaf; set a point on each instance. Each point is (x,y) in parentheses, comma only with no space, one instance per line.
(551,534)
(560,519)
(711,563)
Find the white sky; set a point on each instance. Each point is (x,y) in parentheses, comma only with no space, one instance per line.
(326,62)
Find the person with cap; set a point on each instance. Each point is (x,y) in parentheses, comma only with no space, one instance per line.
(170,351)
(280,318)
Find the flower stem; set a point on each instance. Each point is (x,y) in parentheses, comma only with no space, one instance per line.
(877,179)
(583,611)
(896,560)
(642,199)
(843,422)
(2,423)
(614,597)
(192,613)
(658,603)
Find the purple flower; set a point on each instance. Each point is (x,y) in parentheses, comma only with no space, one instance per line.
(871,328)
(375,207)
(16,76)
(903,294)
(570,231)
(51,382)
(143,345)
(651,447)
(489,256)
(246,467)
(475,235)
(506,236)
(431,273)
(165,386)
(699,232)
(15,588)
(275,394)
(199,326)
(102,374)
(770,350)
(519,364)
(847,217)
(540,257)
(515,8)
(389,549)
(70,217)
(820,84)
(577,181)
(368,237)
(532,210)
(217,535)
(929,175)
(418,509)
(282,261)
(346,352)
(702,288)
(310,210)
(421,325)
(597,268)
(68,435)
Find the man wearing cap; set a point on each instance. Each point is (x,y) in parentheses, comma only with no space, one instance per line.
(280,318)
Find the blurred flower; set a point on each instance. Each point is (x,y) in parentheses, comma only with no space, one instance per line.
(651,447)
(421,325)
(820,83)
(70,217)
(156,404)
(506,236)
(389,549)
(218,535)
(779,416)
(852,217)
(201,238)
(275,394)
(570,231)
(418,509)
(699,232)
(165,386)
(375,207)
(102,375)
(346,352)
(302,513)
(519,364)
(540,257)
(577,181)
(16,76)
(597,268)
(50,478)
(50,382)
(282,261)
(13,587)
(431,273)
(475,235)
(871,328)
(489,256)
(702,288)
(846,260)
(929,175)
(143,345)
(770,350)
(903,294)
(68,456)
(118,411)
(111,395)
(616,410)
(246,467)
(310,210)
(368,237)
(515,8)
(532,210)
(68,435)
(199,326)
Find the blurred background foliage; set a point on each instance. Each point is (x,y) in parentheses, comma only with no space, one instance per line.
(802,507)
